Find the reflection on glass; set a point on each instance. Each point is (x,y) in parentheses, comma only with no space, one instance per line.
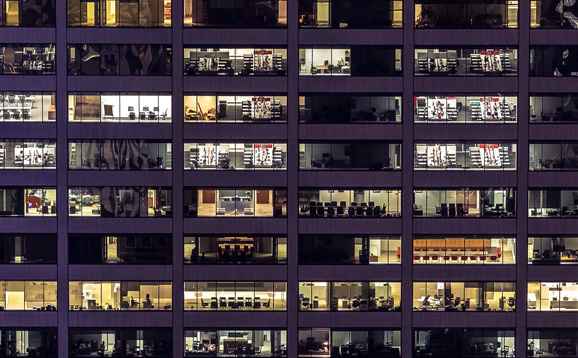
(554,108)
(554,61)
(119,13)
(121,154)
(236,13)
(350,14)
(484,14)
(554,14)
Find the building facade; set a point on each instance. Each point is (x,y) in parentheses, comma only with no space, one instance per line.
(288,178)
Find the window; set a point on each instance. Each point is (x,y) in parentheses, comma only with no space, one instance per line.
(114,107)
(553,61)
(231,342)
(27,59)
(553,296)
(18,201)
(318,342)
(493,155)
(40,342)
(555,250)
(236,13)
(551,203)
(119,13)
(464,203)
(235,202)
(28,249)
(370,61)
(87,249)
(554,156)
(145,341)
(350,296)
(457,342)
(353,155)
(455,61)
(120,295)
(250,249)
(485,14)
(120,202)
(24,13)
(464,250)
(342,249)
(235,61)
(28,154)
(119,60)
(235,109)
(27,107)
(119,154)
(483,108)
(356,203)
(236,296)
(464,296)
(553,14)
(553,342)
(344,108)
(350,14)
(236,156)
(554,108)
(28,295)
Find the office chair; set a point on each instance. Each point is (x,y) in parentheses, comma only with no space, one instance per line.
(131,114)
(351,212)
(377,212)
(444,210)
(16,114)
(359,211)
(452,209)
(25,114)
(203,303)
(330,212)
(152,115)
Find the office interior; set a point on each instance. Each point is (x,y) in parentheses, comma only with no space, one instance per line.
(120,295)
(119,202)
(553,14)
(551,342)
(465,250)
(464,61)
(235,202)
(350,296)
(128,249)
(347,108)
(27,59)
(23,13)
(28,154)
(553,107)
(355,60)
(352,155)
(235,61)
(250,249)
(341,249)
(40,342)
(121,342)
(118,13)
(343,343)
(471,155)
(235,343)
(552,203)
(236,13)
(235,296)
(343,14)
(349,203)
(119,154)
(499,202)
(235,156)
(482,108)
(553,296)
(554,60)
(464,342)
(464,296)
(553,156)
(556,250)
(28,249)
(19,201)
(28,295)
(470,14)
(260,108)
(115,107)
(27,106)
(119,60)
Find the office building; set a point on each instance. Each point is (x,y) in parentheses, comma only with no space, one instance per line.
(288,178)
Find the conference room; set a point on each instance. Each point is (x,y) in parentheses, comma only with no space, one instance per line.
(235,202)
(464,250)
(349,203)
